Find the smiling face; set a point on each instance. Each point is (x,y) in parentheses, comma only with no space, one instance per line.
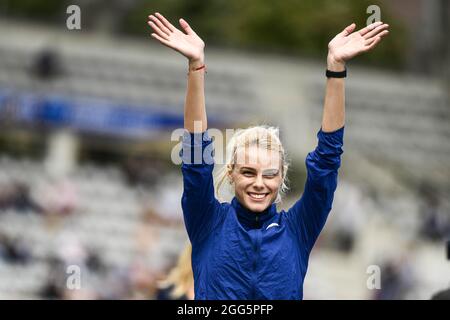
(257,177)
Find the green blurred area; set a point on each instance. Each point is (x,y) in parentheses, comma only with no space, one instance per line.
(294,27)
(44,10)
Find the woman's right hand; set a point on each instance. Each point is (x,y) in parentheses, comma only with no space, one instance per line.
(188,44)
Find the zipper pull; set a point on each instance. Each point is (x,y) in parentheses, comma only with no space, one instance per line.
(257,221)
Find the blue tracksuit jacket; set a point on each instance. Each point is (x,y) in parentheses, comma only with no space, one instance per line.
(239,254)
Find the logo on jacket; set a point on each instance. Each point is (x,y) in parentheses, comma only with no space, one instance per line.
(272,225)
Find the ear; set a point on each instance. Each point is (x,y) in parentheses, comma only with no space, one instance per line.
(229,172)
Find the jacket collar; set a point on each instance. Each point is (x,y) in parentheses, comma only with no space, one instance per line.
(250,219)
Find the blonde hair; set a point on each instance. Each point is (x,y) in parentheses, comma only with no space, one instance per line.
(180,277)
(262,136)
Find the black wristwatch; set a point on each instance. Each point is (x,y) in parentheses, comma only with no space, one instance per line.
(336,74)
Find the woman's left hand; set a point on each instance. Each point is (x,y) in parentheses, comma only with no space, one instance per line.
(349,44)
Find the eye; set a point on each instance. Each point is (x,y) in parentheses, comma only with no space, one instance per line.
(270,174)
(248,173)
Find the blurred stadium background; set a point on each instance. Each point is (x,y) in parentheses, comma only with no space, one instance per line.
(86,118)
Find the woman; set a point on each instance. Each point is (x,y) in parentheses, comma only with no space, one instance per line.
(179,284)
(246,249)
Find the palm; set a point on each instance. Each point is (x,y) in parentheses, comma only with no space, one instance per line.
(188,44)
(348,44)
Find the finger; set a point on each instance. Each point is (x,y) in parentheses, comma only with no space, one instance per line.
(370,27)
(162,40)
(165,22)
(348,29)
(186,27)
(375,31)
(374,43)
(158,31)
(160,25)
(381,35)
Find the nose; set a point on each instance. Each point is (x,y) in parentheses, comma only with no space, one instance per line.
(259,182)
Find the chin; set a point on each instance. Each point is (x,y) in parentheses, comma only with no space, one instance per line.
(257,207)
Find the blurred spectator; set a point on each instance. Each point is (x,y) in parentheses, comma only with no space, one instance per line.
(95,263)
(143,170)
(116,285)
(347,218)
(9,111)
(155,218)
(142,280)
(148,235)
(14,250)
(71,251)
(166,199)
(58,197)
(17,196)
(397,280)
(441,295)
(51,290)
(54,284)
(46,65)
(179,284)
(435,223)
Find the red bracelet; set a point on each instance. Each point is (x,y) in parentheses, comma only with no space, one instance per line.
(199,68)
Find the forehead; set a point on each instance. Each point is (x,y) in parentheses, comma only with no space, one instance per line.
(257,158)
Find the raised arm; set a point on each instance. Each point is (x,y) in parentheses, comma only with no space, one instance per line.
(342,48)
(308,215)
(201,210)
(190,45)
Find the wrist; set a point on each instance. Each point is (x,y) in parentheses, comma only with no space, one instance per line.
(334,64)
(197,62)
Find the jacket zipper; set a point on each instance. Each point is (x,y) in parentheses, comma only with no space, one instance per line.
(255,257)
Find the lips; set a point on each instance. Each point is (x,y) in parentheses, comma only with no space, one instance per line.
(257,196)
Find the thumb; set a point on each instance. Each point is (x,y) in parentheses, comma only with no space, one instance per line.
(186,26)
(348,29)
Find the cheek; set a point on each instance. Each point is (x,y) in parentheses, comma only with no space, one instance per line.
(274,184)
(237,185)
(242,182)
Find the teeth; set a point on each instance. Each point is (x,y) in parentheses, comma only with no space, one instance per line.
(257,196)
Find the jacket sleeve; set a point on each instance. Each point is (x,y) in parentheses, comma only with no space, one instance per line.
(200,207)
(309,214)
